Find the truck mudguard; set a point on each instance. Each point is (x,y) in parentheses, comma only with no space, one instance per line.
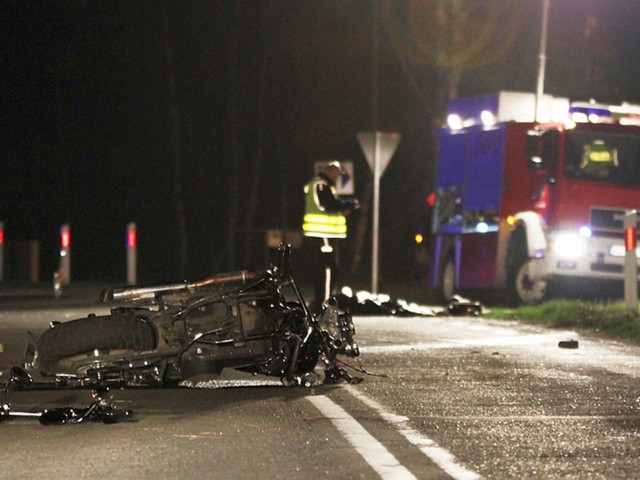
(534,228)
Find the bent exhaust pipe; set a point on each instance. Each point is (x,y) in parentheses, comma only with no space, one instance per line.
(150,293)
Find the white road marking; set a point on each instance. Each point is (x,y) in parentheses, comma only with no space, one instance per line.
(438,455)
(373,452)
(497,341)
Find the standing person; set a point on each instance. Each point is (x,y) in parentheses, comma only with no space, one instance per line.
(325,219)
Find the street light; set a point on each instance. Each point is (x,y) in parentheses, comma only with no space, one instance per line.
(542,59)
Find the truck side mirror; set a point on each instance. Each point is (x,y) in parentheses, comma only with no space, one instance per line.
(533,150)
(542,151)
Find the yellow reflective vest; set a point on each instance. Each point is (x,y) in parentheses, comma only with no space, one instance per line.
(318,222)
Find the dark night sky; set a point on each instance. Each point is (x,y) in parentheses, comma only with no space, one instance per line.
(86,129)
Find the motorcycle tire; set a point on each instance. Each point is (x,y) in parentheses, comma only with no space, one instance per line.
(127,332)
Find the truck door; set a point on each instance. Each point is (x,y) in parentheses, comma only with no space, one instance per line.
(542,155)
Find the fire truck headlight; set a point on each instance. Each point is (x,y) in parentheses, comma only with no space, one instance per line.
(584,231)
(569,245)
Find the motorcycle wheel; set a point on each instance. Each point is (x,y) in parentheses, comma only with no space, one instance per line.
(95,333)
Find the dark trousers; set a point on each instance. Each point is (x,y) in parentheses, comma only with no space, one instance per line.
(326,271)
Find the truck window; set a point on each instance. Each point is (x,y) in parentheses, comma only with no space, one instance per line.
(603,157)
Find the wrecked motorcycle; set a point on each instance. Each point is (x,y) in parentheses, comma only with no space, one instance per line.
(163,335)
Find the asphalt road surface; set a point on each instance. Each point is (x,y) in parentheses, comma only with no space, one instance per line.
(455,398)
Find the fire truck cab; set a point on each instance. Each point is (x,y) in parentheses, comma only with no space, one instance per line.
(523,205)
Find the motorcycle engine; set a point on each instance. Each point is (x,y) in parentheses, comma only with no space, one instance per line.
(338,329)
(229,334)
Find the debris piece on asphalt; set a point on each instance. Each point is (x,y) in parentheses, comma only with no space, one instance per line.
(367,303)
(568,344)
(459,306)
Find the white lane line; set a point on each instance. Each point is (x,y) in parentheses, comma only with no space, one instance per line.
(522,340)
(438,455)
(373,452)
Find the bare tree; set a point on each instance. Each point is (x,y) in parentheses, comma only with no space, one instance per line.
(455,36)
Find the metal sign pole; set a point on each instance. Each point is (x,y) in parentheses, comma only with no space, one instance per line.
(378,148)
(376,215)
(542,59)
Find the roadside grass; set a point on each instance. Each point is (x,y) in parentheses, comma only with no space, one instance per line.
(612,319)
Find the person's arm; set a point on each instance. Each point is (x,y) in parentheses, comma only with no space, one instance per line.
(330,202)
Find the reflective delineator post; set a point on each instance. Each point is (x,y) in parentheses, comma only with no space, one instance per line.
(630,260)
(132,247)
(1,251)
(64,270)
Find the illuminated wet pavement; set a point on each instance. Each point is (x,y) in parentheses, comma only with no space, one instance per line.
(501,399)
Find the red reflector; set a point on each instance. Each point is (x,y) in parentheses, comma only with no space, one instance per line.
(1,237)
(132,239)
(431,199)
(630,241)
(65,239)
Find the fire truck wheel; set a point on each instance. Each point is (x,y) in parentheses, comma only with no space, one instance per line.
(529,291)
(448,283)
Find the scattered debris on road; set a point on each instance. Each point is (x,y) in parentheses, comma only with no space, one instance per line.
(459,306)
(367,303)
(568,344)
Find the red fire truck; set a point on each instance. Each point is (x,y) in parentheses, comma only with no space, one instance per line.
(524,205)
